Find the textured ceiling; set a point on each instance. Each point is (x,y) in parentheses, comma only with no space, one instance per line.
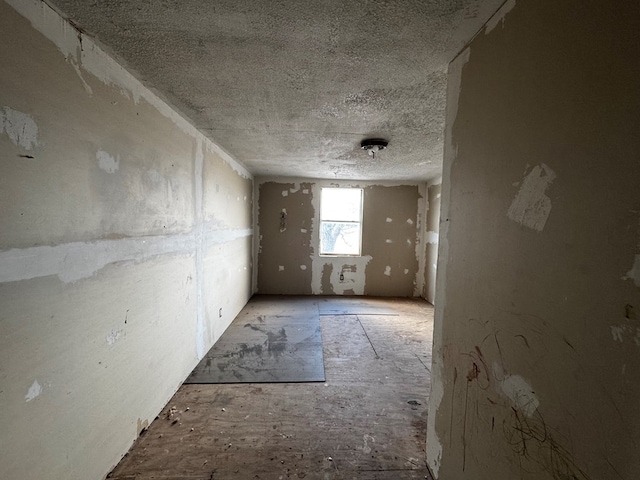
(291,87)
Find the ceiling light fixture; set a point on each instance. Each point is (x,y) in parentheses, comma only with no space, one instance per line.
(373,145)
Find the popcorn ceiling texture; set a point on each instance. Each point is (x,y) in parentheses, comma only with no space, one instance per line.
(291,88)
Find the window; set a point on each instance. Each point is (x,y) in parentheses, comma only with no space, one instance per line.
(340,221)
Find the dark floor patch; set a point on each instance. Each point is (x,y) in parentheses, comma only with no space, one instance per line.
(271,349)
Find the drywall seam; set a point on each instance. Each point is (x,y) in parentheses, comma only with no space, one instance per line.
(83,52)
(434,445)
(432,238)
(219,237)
(420,248)
(198,203)
(256,239)
(77,260)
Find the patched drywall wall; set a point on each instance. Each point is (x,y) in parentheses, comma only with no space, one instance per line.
(431,237)
(125,249)
(536,342)
(288,244)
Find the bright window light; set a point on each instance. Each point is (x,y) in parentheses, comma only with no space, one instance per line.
(340,221)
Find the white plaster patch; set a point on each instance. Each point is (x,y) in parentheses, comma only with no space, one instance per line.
(305,191)
(280,268)
(114,336)
(389,220)
(285,193)
(498,18)
(74,261)
(303,230)
(408,241)
(617,333)
(406,271)
(108,162)
(432,238)
(518,390)
(409,221)
(387,271)
(388,240)
(531,207)
(303,267)
(634,273)
(34,391)
(19,127)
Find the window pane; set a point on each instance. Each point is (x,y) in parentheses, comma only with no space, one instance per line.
(341,204)
(339,238)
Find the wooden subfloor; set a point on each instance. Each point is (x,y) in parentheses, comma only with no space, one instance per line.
(367,421)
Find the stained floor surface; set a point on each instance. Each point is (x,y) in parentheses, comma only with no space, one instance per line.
(366,421)
(266,348)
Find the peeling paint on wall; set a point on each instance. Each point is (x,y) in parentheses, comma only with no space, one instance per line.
(108,162)
(19,127)
(531,206)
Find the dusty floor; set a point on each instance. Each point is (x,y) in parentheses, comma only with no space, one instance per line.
(366,421)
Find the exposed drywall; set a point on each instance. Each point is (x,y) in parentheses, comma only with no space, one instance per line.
(288,258)
(536,341)
(125,250)
(431,237)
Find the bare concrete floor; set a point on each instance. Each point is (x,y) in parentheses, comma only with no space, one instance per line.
(367,421)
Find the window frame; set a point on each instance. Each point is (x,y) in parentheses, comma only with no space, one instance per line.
(359,222)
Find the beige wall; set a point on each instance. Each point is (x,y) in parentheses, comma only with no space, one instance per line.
(537,333)
(431,239)
(125,250)
(288,260)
